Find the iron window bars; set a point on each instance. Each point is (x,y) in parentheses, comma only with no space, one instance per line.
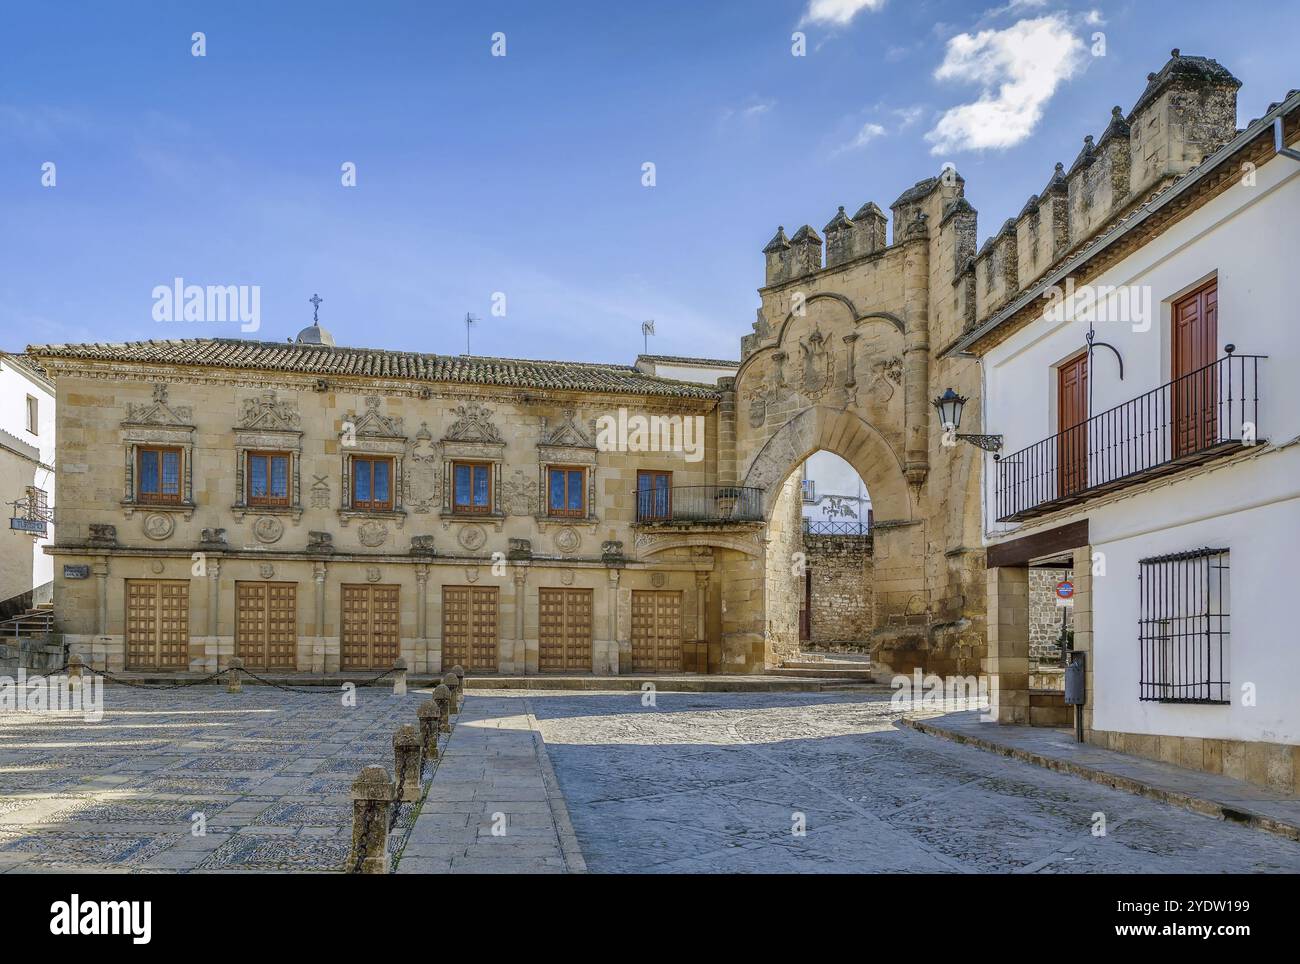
(1183,627)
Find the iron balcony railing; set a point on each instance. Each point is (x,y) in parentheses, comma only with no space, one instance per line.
(700,503)
(1193,419)
(836,527)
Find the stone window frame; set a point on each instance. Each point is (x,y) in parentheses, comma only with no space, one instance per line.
(373,448)
(550,511)
(276,441)
(138,436)
(492,454)
(566,457)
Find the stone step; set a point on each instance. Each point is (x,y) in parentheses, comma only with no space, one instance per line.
(822,671)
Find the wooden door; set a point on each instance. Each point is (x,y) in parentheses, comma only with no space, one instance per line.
(370,630)
(564,630)
(1072,425)
(656,631)
(266,624)
(1194,393)
(157,624)
(470,627)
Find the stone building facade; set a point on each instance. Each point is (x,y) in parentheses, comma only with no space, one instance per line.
(315,508)
(1045,616)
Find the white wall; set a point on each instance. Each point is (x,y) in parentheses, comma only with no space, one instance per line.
(692,373)
(25,563)
(834,476)
(1247,237)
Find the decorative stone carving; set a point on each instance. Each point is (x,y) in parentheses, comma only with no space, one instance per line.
(567,577)
(320,492)
(567,432)
(473,424)
(160,412)
(423,475)
(567,540)
(371,424)
(102,534)
(268,413)
(213,539)
(471,574)
(611,551)
(471,538)
(156,567)
(657,580)
(266,570)
(320,542)
(372,533)
(422,546)
(519,494)
(818,365)
(520,549)
(374,574)
(268,529)
(159,526)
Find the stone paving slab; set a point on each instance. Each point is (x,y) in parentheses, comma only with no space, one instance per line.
(718,783)
(493,805)
(1205,793)
(269,772)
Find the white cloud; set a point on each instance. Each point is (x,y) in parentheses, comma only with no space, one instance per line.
(866,134)
(1019,69)
(907,116)
(838,12)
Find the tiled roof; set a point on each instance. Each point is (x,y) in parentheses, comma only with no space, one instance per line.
(378,363)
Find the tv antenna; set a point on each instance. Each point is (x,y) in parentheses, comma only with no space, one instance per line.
(647,329)
(470,322)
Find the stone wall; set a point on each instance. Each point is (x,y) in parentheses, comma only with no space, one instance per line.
(1044,614)
(784,576)
(840,570)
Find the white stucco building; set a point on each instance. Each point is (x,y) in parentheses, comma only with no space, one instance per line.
(26,472)
(1174,491)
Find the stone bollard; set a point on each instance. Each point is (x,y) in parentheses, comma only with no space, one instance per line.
(372,798)
(452,682)
(233,682)
(430,719)
(442,700)
(74,672)
(460,675)
(407,758)
(399,677)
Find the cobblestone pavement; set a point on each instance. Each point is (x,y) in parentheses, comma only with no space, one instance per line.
(269,772)
(713,782)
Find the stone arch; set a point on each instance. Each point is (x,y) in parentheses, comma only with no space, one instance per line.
(850,437)
(849,306)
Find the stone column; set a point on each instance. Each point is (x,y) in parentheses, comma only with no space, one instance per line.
(521,660)
(916,354)
(1007,663)
(422,615)
(101,596)
(214,611)
(611,597)
(318,607)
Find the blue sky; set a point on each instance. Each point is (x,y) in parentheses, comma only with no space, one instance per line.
(522,174)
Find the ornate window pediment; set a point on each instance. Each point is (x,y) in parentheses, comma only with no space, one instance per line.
(158,424)
(371,424)
(473,424)
(565,445)
(367,435)
(268,424)
(159,411)
(268,413)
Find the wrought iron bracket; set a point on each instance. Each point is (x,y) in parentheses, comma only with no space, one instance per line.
(989,443)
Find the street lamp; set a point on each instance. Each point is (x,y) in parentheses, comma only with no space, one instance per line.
(949,405)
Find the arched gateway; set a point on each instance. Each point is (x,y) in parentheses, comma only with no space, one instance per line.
(844,358)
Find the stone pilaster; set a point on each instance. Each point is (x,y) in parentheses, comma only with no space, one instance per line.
(1007,663)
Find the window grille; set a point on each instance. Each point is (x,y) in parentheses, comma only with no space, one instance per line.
(1184,628)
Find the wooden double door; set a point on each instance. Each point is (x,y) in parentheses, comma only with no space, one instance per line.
(370,636)
(656,631)
(266,624)
(158,624)
(470,627)
(564,630)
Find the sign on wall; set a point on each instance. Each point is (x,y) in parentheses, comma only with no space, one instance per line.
(76,572)
(34,527)
(1065,593)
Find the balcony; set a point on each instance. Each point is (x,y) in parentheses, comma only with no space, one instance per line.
(699,503)
(1205,415)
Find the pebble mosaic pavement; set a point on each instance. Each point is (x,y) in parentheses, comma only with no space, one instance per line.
(268,770)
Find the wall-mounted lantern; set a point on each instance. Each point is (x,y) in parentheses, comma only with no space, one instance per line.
(949,405)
